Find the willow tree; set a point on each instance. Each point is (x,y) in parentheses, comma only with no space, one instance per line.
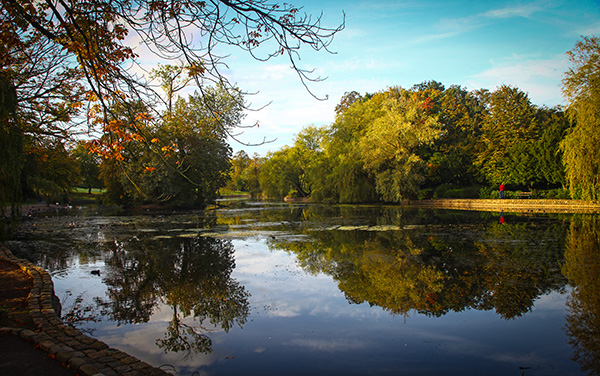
(581,146)
(349,181)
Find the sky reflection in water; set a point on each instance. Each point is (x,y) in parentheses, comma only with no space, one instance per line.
(322,290)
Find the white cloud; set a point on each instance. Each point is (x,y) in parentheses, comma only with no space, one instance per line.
(525,10)
(587,30)
(451,27)
(539,78)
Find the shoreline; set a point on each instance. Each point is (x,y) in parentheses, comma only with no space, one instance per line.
(494,205)
(510,205)
(77,351)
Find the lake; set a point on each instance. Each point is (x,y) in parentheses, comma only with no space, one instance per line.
(274,288)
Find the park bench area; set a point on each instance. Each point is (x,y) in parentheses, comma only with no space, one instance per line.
(523,194)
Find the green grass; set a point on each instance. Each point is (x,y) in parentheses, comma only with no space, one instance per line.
(95,191)
(227,192)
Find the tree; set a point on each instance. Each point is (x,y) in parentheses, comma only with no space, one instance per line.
(50,170)
(11,154)
(89,167)
(291,170)
(39,99)
(554,125)
(239,163)
(389,147)
(172,79)
(282,175)
(251,175)
(187,159)
(450,159)
(349,181)
(93,35)
(347,100)
(508,132)
(581,146)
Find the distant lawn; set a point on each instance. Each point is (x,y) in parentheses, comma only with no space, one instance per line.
(226,192)
(80,190)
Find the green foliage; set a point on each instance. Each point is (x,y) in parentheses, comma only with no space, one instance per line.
(348,180)
(554,125)
(239,164)
(389,147)
(558,194)
(425,142)
(489,192)
(293,168)
(450,191)
(581,146)
(50,170)
(89,167)
(193,164)
(508,131)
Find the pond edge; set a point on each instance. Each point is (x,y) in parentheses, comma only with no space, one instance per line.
(81,353)
(510,205)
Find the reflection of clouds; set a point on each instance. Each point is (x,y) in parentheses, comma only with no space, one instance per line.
(523,359)
(493,347)
(551,302)
(330,345)
(140,340)
(279,287)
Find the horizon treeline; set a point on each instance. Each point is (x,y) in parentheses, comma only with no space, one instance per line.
(437,141)
(426,141)
(423,142)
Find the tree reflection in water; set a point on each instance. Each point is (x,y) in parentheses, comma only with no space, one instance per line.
(433,265)
(192,276)
(581,267)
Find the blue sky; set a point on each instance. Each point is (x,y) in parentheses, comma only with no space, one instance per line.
(474,44)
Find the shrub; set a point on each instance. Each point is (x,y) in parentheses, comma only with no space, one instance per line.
(425,194)
(489,192)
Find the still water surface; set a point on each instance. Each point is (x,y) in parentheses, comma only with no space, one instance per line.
(270,288)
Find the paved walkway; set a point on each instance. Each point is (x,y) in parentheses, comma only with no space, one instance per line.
(510,205)
(85,355)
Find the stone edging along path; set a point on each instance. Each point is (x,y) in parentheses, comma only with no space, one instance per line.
(85,355)
(511,205)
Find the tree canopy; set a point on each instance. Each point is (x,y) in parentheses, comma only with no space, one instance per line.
(581,146)
(423,142)
(65,64)
(91,40)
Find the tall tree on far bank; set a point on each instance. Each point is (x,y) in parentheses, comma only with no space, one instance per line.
(581,146)
(460,116)
(508,131)
(389,147)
